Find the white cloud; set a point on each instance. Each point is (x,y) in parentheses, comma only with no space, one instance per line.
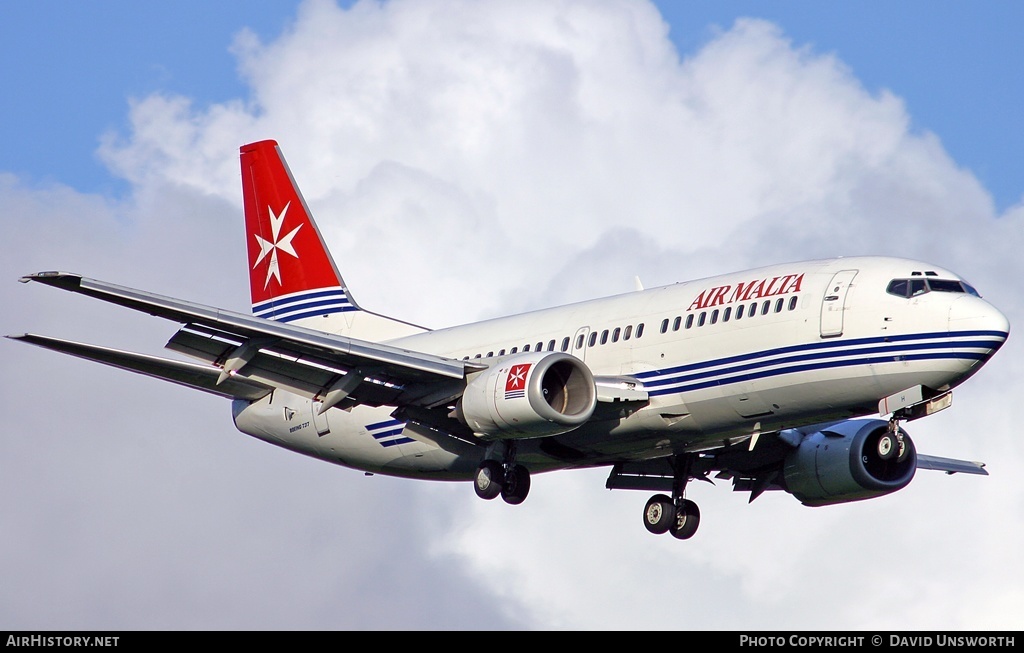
(467,159)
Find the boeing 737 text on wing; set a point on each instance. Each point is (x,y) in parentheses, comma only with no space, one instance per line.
(795,377)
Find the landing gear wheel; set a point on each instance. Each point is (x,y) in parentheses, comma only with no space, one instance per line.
(888,445)
(489,479)
(902,450)
(686,521)
(517,485)
(659,513)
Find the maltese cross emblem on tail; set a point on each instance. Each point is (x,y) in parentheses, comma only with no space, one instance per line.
(278,244)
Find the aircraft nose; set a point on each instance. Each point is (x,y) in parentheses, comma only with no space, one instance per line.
(974,316)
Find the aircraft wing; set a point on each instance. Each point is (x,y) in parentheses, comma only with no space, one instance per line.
(950,465)
(754,471)
(326,367)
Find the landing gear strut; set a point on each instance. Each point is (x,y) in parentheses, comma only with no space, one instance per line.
(891,444)
(507,478)
(675,514)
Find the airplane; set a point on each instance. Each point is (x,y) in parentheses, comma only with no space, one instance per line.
(793,377)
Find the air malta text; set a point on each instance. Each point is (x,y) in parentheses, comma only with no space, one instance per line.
(742,292)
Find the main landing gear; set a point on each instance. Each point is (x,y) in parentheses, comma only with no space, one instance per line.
(509,479)
(675,515)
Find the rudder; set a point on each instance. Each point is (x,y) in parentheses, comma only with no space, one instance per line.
(292,276)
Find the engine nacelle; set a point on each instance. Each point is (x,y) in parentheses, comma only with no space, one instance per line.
(842,463)
(529,395)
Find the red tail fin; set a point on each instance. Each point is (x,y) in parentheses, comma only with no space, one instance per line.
(291,273)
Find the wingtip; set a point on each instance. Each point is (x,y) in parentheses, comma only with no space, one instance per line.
(54,278)
(45,274)
(27,338)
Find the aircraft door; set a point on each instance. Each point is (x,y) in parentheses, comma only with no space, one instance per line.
(320,421)
(579,343)
(834,303)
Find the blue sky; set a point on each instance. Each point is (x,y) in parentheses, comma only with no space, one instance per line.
(959,66)
(71,68)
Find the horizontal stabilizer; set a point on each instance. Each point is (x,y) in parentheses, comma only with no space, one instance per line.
(192,375)
(950,465)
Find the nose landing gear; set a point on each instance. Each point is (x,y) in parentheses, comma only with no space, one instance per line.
(890,444)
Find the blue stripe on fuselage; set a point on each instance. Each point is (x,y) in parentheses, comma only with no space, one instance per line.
(827,354)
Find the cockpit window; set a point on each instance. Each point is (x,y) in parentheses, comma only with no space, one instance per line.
(920,285)
(970,289)
(943,285)
(899,287)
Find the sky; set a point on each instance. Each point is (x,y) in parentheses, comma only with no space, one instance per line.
(465,160)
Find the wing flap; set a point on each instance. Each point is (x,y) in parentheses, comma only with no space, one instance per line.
(275,363)
(202,346)
(192,375)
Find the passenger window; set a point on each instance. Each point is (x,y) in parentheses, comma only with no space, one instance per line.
(702,318)
(604,337)
(501,352)
(725,315)
(689,320)
(639,329)
(513,350)
(579,341)
(778,304)
(675,323)
(792,303)
(739,312)
(489,354)
(714,316)
(551,345)
(593,339)
(540,346)
(615,334)
(664,325)
(764,307)
(526,347)
(565,343)
(625,334)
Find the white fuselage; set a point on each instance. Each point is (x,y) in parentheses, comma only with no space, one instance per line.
(815,341)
